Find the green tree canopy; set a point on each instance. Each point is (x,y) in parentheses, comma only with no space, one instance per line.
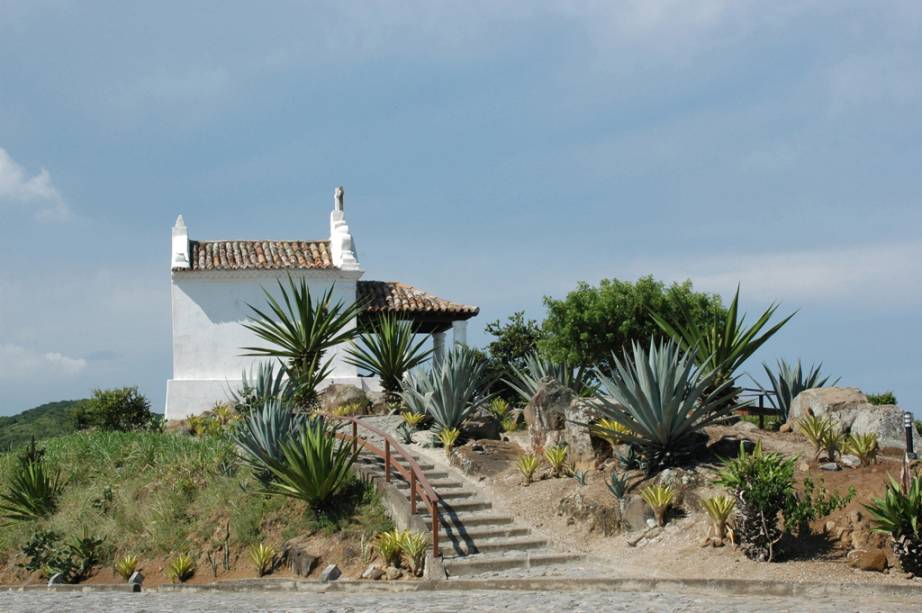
(514,340)
(120,409)
(592,322)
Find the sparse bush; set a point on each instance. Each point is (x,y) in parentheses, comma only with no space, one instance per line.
(617,485)
(450,391)
(899,514)
(659,498)
(528,464)
(120,409)
(817,430)
(883,398)
(181,568)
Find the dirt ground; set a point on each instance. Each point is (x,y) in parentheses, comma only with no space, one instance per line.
(678,550)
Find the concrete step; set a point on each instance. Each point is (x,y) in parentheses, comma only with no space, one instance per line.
(462,505)
(469,519)
(482,563)
(482,532)
(376,461)
(431,476)
(466,547)
(437,484)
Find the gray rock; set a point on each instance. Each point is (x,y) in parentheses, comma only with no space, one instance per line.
(829,466)
(745,426)
(850,410)
(136,578)
(339,394)
(486,427)
(651,523)
(330,573)
(578,415)
(423,438)
(635,512)
(598,517)
(850,461)
(546,413)
(393,573)
(373,573)
(299,560)
(886,421)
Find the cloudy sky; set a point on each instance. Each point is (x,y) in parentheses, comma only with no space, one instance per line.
(492,153)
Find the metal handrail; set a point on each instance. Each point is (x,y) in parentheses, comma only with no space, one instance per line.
(413,474)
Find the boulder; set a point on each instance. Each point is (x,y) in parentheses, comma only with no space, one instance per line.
(330,573)
(372,573)
(484,427)
(546,413)
(577,434)
(393,573)
(338,394)
(635,512)
(605,519)
(874,560)
(849,408)
(299,560)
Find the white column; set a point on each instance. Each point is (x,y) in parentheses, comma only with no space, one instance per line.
(459,332)
(438,347)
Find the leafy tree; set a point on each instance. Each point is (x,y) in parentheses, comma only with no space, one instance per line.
(592,323)
(514,340)
(120,409)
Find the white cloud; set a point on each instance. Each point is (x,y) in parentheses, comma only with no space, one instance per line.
(18,188)
(18,362)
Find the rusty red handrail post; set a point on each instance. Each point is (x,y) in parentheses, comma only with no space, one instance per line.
(413,492)
(387,461)
(436,551)
(355,435)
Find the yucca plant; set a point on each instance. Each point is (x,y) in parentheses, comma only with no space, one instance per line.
(610,430)
(261,383)
(834,442)
(389,544)
(528,464)
(663,400)
(617,485)
(300,330)
(719,509)
(525,381)
(865,446)
(125,566)
(315,466)
(389,350)
(556,457)
(722,347)
(181,568)
(449,436)
(263,557)
(498,408)
(413,547)
(261,435)
(510,423)
(450,391)
(658,497)
(899,514)
(581,476)
(32,493)
(413,419)
(347,410)
(815,429)
(789,380)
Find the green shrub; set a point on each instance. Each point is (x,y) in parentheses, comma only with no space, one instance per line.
(315,468)
(33,488)
(662,400)
(46,553)
(899,514)
(883,398)
(119,409)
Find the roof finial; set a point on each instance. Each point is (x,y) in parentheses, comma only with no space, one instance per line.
(338,198)
(180,222)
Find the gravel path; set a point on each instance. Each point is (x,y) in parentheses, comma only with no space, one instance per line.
(434,601)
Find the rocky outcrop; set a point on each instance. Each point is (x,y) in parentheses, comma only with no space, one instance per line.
(599,518)
(849,408)
(557,416)
(337,394)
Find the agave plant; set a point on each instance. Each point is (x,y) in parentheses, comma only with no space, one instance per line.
(125,566)
(722,347)
(33,491)
(528,464)
(610,430)
(498,408)
(790,380)
(658,497)
(719,509)
(413,419)
(181,568)
(261,436)
(413,550)
(389,544)
(510,423)
(315,467)
(899,514)
(449,436)
(525,381)
(663,400)
(389,350)
(261,383)
(300,330)
(263,557)
(617,485)
(865,446)
(450,391)
(556,457)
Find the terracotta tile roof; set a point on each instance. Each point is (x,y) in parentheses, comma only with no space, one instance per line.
(259,255)
(396,297)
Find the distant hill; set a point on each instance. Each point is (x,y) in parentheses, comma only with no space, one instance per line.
(45,421)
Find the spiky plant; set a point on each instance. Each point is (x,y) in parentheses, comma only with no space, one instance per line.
(450,391)
(413,550)
(719,509)
(263,557)
(315,466)
(581,476)
(181,568)
(663,399)
(525,381)
(789,380)
(300,330)
(32,492)
(125,566)
(658,497)
(610,430)
(261,435)
(510,423)
(763,486)
(723,346)
(899,514)
(833,442)
(413,419)
(448,437)
(556,457)
(617,485)
(389,350)
(264,381)
(865,446)
(388,544)
(816,430)
(528,464)
(498,408)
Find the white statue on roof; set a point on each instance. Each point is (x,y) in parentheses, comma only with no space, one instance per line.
(342,246)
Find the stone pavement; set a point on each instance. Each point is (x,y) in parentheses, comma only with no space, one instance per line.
(448,601)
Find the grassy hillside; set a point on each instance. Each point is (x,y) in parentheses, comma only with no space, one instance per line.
(45,421)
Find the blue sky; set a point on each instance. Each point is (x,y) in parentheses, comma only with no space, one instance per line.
(492,153)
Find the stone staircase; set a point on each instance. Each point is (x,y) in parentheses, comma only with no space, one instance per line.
(474,537)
